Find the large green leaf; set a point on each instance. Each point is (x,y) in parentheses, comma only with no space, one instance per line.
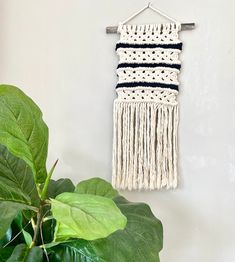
(22,253)
(59,186)
(140,241)
(7,214)
(85,216)
(17,188)
(96,186)
(16,180)
(22,129)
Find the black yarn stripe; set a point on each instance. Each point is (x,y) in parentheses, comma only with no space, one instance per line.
(134,65)
(168,46)
(147,84)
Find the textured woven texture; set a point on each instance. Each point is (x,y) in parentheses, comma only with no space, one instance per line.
(146,109)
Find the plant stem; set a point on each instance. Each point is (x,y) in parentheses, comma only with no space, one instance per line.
(45,188)
(37,226)
(33,223)
(40,216)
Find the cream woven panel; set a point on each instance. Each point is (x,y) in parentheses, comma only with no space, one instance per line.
(146,108)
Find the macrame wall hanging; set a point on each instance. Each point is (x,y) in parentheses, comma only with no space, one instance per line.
(146,113)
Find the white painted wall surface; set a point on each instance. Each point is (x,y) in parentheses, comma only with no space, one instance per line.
(58,53)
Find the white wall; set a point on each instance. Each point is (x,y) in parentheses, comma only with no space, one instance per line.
(58,53)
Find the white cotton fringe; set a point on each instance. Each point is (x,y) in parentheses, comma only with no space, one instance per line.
(145,145)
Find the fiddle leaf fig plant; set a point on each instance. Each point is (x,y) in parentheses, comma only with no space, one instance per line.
(46,220)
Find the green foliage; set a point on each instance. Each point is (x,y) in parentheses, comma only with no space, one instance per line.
(16,180)
(22,129)
(142,236)
(85,216)
(46,220)
(96,186)
(9,210)
(5,253)
(60,186)
(19,222)
(140,241)
(17,188)
(79,251)
(22,253)
(6,238)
